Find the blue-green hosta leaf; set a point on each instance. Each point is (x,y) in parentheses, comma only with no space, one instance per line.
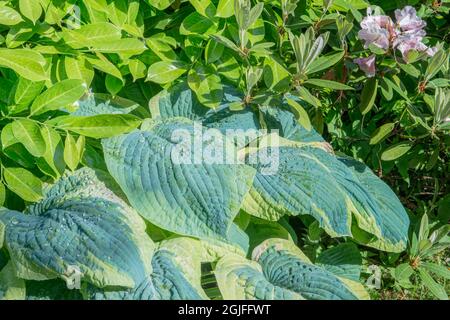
(281,119)
(79,224)
(343,260)
(95,104)
(180,101)
(213,250)
(391,218)
(193,197)
(301,185)
(305,179)
(280,271)
(176,275)
(11,287)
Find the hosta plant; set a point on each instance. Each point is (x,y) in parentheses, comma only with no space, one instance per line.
(94,221)
(244,149)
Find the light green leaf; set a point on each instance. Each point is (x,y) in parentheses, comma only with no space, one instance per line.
(410,69)
(31,9)
(29,134)
(9,16)
(225,8)
(164,71)
(72,155)
(368,95)
(435,64)
(396,151)
(432,285)
(328,84)
(52,163)
(79,68)
(127,46)
(58,96)
(138,69)
(302,115)
(23,183)
(101,63)
(26,92)
(197,24)
(98,126)
(276,77)
(439,270)
(204,7)
(27,63)
(381,133)
(325,62)
(207,85)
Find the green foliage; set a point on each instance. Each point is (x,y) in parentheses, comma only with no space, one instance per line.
(91,93)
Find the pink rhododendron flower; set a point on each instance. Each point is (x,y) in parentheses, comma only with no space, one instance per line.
(408,20)
(405,46)
(377,30)
(406,35)
(375,35)
(367,65)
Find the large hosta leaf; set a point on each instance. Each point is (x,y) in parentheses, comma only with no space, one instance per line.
(301,185)
(176,275)
(180,101)
(95,104)
(312,181)
(281,119)
(279,270)
(392,218)
(191,197)
(79,224)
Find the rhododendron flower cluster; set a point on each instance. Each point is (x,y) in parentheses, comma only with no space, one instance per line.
(405,35)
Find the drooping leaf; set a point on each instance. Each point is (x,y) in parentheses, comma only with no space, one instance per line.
(280,271)
(191,196)
(175,276)
(79,224)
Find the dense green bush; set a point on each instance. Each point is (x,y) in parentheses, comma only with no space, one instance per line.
(91,92)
